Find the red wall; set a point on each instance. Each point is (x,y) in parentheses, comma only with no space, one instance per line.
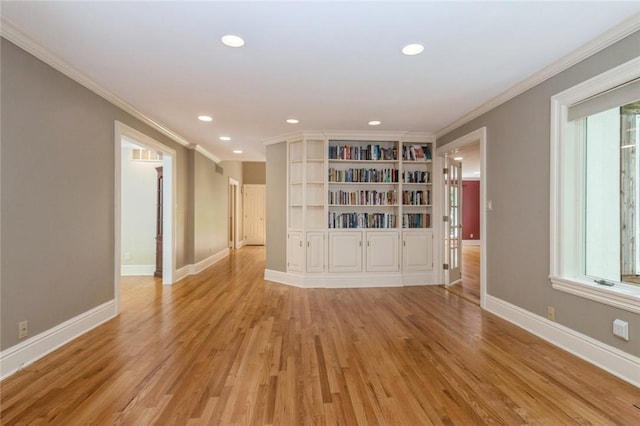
(470,209)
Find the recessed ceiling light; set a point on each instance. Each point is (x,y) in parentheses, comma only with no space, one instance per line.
(237,151)
(232,40)
(374,123)
(292,121)
(205,118)
(457,158)
(225,138)
(412,49)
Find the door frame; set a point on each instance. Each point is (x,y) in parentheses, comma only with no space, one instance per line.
(124,132)
(479,135)
(234,188)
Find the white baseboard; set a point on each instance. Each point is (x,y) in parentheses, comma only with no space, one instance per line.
(241,244)
(346,280)
(610,359)
(135,270)
(288,278)
(470,242)
(34,348)
(201,266)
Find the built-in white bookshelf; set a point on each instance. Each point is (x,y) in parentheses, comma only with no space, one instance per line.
(360,209)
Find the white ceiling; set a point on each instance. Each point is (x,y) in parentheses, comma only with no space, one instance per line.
(332,65)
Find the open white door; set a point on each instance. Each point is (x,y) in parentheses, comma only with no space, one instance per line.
(452,220)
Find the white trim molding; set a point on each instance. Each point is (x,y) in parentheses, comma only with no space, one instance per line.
(601,42)
(200,266)
(19,356)
(478,135)
(566,222)
(204,152)
(169,191)
(608,358)
(12,33)
(622,296)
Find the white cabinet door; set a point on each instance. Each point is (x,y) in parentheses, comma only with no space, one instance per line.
(315,251)
(417,251)
(382,251)
(295,252)
(345,251)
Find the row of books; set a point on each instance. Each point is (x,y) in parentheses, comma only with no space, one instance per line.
(416,220)
(369,152)
(416,176)
(363,198)
(416,198)
(416,152)
(361,220)
(363,175)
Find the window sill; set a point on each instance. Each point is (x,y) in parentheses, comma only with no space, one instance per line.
(623,296)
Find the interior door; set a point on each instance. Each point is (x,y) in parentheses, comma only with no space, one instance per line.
(453,220)
(254,212)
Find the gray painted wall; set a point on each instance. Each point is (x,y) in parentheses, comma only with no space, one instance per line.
(211,204)
(57,186)
(254,172)
(517,182)
(276,174)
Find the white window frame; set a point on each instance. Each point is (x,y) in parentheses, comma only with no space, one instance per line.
(567,215)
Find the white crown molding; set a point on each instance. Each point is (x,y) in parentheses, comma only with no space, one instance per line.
(11,32)
(601,42)
(204,152)
(352,135)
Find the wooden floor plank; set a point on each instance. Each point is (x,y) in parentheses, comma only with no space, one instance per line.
(226,347)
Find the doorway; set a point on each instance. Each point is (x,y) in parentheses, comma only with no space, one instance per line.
(127,135)
(469,152)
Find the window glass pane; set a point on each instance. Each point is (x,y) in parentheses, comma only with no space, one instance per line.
(602,189)
(611,194)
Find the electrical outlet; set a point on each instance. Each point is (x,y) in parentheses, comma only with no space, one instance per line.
(127,255)
(621,329)
(23,329)
(551,313)
(471,236)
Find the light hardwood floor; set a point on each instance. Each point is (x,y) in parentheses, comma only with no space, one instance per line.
(225,347)
(469,287)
